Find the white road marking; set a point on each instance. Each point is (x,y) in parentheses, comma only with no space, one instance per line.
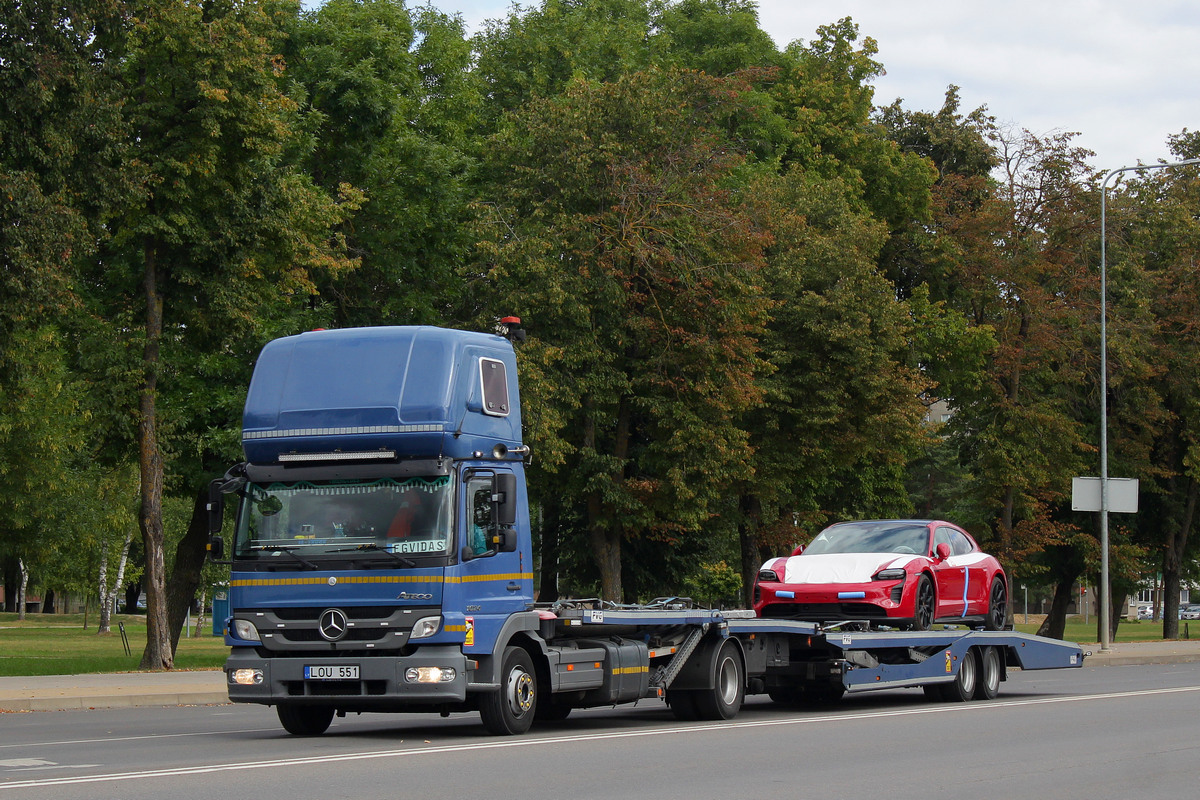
(533,741)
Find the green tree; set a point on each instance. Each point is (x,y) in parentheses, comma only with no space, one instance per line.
(842,410)
(611,225)
(225,230)
(388,99)
(1153,241)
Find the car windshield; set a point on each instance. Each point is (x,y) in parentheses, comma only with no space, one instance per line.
(407,517)
(871,537)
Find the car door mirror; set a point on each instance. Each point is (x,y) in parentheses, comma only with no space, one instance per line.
(943,551)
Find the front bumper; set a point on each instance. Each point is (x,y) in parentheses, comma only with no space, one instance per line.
(877,600)
(381,683)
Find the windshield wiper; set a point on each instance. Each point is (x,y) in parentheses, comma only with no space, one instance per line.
(294,555)
(377,549)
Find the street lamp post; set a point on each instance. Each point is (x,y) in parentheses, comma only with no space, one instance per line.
(1104,588)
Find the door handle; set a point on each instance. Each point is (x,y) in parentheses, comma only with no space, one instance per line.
(513,586)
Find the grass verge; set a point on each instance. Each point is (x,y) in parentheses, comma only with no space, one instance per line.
(59,644)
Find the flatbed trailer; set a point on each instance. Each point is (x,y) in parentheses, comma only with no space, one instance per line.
(704,661)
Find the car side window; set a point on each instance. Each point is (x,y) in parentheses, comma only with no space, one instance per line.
(943,535)
(959,544)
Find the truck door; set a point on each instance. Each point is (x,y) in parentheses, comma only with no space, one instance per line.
(492,581)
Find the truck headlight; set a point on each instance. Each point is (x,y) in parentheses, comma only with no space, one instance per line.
(244,629)
(425,627)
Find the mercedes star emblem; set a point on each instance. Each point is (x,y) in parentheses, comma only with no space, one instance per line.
(332,624)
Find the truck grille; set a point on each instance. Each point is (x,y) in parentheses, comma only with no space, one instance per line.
(371,629)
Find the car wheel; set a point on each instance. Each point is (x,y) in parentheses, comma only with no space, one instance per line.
(987,684)
(511,709)
(997,611)
(925,607)
(304,720)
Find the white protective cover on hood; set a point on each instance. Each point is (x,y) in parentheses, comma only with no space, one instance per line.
(841,567)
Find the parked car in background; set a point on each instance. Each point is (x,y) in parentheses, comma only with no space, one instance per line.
(897,573)
(1189,612)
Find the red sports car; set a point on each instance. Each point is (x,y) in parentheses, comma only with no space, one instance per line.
(898,572)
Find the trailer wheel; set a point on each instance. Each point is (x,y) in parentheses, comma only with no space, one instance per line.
(962,688)
(511,710)
(987,685)
(304,720)
(724,700)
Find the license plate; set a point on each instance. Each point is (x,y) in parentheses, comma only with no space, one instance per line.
(331,672)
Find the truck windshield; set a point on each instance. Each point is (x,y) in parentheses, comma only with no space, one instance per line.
(408,517)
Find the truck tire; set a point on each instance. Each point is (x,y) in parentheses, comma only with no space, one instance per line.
(304,720)
(683,704)
(987,684)
(962,688)
(511,710)
(724,699)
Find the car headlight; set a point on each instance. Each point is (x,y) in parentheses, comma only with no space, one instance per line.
(425,627)
(893,574)
(768,575)
(245,630)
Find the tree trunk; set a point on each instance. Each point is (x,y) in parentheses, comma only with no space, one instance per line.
(48,598)
(606,547)
(189,563)
(748,525)
(549,528)
(1173,560)
(158,653)
(103,624)
(109,592)
(21,589)
(12,579)
(132,592)
(1055,626)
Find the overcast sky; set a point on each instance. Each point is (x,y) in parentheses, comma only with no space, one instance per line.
(1123,74)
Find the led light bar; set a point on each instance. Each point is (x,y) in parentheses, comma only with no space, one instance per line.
(368,455)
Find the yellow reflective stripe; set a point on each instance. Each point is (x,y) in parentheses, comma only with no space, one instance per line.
(418,579)
(456,628)
(512,576)
(629,670)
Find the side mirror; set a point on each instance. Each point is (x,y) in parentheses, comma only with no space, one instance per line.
(216,506)
(799,550)
(216,548)
(943,551)
(506,498)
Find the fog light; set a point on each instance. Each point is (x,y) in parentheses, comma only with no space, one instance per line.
(429,674)
(246,677)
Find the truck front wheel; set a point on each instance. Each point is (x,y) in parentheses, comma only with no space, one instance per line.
(511,710)
(304,720)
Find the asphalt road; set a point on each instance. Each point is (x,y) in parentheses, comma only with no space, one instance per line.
(1110,732)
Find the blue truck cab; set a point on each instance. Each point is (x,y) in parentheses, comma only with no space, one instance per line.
(381,547)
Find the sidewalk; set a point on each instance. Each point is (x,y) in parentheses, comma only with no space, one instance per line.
(113,690)
(207,687)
